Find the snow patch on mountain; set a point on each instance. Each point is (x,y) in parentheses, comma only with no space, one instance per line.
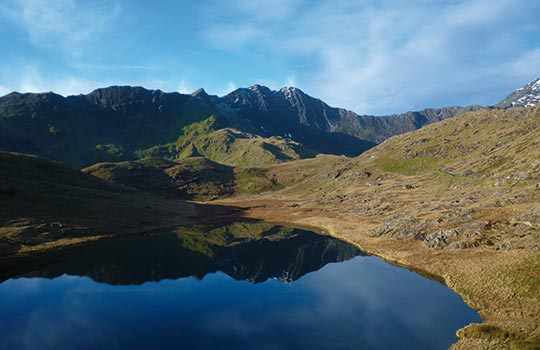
(526,96)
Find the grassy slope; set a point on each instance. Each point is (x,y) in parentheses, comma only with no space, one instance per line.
(214,140)
(237,148)
(191,178)
(458,199)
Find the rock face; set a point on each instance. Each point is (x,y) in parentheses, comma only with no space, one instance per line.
(440,238)
(289,109)
(527,96)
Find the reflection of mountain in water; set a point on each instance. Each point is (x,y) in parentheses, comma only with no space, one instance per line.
(253,252)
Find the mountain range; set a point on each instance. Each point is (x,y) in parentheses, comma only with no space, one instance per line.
(251,125)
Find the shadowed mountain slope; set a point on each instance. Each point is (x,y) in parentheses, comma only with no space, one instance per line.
(44,202)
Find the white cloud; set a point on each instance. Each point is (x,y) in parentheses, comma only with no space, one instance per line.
(523,65)
(228,89)
(184,87)
(291,81)
(383,57)
(70,25)
(31,78)
(4,90)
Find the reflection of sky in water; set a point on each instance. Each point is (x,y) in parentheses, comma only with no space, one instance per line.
(361,303)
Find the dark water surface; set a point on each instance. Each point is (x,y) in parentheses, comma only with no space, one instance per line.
(239,286)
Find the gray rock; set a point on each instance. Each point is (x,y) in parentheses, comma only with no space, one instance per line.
(440,238)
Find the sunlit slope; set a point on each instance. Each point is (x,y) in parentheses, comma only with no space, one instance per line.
(463,182)
(212,139)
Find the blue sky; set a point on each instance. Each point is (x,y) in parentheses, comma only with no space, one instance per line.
(374,57)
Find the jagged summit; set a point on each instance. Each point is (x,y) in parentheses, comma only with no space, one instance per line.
(266,91)
(120,89)
(258,87)
(526,96)
(201,93)
(289,89)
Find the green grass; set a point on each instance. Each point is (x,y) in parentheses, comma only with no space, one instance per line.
(411,166)
(212,139)
(255,180)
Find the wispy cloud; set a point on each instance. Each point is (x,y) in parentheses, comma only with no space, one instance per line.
(229,88)
(4,90)
(184,87)
(32,78)
(119,67)
(68,25)
(392,56)
(291,81)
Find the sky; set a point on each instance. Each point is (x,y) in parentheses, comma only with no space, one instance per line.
(371,56)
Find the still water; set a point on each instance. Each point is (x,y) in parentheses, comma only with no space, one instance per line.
(238,286)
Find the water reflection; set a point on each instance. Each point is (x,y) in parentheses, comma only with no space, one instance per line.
(361,303)
(252,252)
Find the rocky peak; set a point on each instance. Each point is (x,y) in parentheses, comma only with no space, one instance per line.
(201,93)
(121,95)
(30,98)
(290,91)
(526,96)
(259,89)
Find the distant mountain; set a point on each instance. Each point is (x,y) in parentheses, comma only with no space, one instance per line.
(122,123)
(106,125)
(527,96)
(292,111)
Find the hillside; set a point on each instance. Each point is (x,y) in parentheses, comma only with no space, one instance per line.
(193,178)
(122,123)
(45,205)
(211,139)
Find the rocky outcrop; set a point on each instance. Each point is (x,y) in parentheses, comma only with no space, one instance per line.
(527,96)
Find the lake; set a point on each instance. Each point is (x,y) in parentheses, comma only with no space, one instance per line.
(236,286)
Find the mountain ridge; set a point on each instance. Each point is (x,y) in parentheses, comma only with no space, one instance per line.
(118,123)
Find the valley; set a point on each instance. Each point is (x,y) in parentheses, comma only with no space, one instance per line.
(452,193)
